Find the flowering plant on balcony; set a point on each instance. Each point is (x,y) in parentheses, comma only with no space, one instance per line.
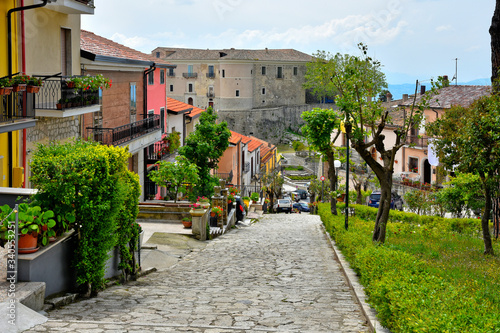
(35,81)
(92,83)
(20,79)
(5,82)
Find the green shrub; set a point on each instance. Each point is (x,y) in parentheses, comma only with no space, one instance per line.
(426,277)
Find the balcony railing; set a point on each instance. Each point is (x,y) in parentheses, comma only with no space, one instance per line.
(56,95)
(211,75)
(160,151)
(16,106)
(190,75)
(123,134)
(171,74)
(417,141)
(210,94)
(227,176)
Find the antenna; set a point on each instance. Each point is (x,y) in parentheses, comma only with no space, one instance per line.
(456,72)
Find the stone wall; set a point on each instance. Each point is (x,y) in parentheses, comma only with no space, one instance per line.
(54,129)
(269,124)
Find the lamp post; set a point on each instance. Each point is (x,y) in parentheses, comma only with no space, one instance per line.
(343,129)
(336,164)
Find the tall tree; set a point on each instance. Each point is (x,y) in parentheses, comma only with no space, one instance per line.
(468,139)
(495,46)
(322,129)
(358,80)
(204,147)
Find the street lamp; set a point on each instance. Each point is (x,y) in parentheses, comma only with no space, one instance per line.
(343,129)
(336,164)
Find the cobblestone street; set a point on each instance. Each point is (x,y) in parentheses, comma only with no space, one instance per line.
(276,275)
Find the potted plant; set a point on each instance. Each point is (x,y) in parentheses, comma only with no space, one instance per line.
(216,211)
(19,83)
(254,197)
(230,202)
(187,222)
(204,202)
(33,85)
(5,86)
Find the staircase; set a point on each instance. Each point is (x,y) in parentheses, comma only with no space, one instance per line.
(162,212)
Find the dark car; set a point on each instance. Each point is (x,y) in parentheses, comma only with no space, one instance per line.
(396,200)
(301,206)
(302,193)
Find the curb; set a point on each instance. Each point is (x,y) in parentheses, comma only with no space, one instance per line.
(359,292)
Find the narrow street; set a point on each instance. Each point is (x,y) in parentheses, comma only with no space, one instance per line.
(276,275)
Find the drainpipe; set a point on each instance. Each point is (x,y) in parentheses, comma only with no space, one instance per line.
(144,116)
(9,61)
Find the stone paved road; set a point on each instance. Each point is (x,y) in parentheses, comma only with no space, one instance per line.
(277,275)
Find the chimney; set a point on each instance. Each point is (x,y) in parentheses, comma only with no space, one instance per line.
(405,97)
(422,90)
(388,96)
(267,51)
(446,81)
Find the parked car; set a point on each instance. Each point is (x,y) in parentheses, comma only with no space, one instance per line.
(301,206)
(283,205)
(396,200)
(302,193)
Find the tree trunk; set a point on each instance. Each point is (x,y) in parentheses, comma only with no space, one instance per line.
(383,213)
(332,176)
(488,247)
(359,197)
(495,46)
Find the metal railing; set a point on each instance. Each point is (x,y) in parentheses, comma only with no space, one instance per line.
(417,140)
(211,75)
(56,95)
(160,151)
(190,75)
(122,134)
(227,176)
(15,106)
(171,74)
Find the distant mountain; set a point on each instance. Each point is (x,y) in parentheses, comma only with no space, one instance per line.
(397,90)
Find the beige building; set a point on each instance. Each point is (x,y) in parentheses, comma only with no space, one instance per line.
(234,79)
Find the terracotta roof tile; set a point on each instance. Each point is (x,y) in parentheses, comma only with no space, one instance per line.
(455,95)
(265,146)
(237,137)
(98,45)
(176,106)
(235,54)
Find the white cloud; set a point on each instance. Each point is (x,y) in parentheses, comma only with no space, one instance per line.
(444,28)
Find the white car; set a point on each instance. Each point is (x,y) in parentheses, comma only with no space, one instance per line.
(283,205)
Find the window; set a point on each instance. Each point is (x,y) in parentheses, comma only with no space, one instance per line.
(157,54)
(211,73)
(162,76)
(151,78)
(263,91)
(171,88)
(162,119)
(295,71)
(190,69)
(413,164)
(237,93)
(190,87)
(66,63)
(223,73)
(263,70)
(171,72)
(133,102)
(279,72)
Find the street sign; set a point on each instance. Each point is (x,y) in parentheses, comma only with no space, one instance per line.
(322,178)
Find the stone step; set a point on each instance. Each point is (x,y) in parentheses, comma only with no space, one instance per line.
(166,221)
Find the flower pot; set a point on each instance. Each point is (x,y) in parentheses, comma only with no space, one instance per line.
(19,87)
(212,214)
(32,89)
(187,224)
(5,90)
(27,243)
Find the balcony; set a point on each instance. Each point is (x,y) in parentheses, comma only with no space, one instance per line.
(160,151)
(136,136)
(16,111)
(190,75)
(211,94)
(56,99)
(417,141)
(211,75)
(171,74)
(72,6)
(227,176)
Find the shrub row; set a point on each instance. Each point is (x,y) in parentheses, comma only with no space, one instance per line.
(408,292)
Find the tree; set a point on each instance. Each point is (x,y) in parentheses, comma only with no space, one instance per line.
(495,46)
(322,129)
(462,195)
(272,185)
(175,174)
(318,75)
(468,139)
(358,80)
(204,147)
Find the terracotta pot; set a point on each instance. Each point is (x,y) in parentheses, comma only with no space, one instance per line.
(32,89)
(5,90)
(212,214)
(187,224)
(19,87)
(27,242)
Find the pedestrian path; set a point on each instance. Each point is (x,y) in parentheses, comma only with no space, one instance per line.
(276,275)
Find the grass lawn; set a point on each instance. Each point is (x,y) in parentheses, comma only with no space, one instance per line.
(425,278)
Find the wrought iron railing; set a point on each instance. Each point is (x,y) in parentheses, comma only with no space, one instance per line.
(16,106)
(189,75)
(55,94)
(210,75)
(160,151)
(122,134)
(227,176)
(417,141)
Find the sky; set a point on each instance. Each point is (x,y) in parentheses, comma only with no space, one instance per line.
(413,39)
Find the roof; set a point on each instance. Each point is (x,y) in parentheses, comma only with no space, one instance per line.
(100,48)
(265,147)
(235,54)
(454,95)
(237,137)
(177,107)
